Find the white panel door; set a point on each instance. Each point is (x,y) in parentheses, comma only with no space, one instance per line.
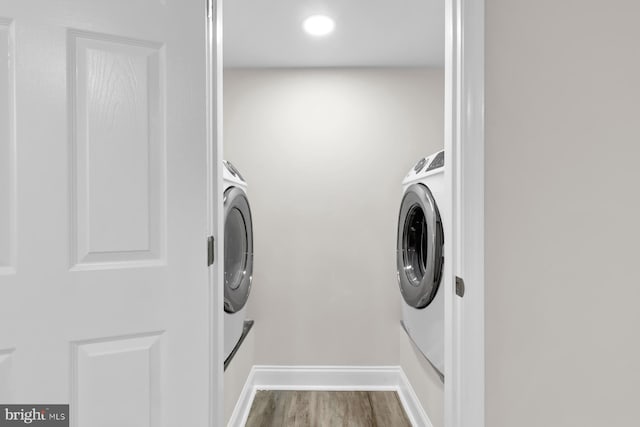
(104,291)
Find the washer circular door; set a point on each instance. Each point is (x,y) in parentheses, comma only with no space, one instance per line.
(238,249)
(420,246)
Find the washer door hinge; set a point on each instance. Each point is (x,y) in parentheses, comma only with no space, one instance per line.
(210,250)
(459,286)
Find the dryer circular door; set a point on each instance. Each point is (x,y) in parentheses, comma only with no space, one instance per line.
(238,249)
(420,244)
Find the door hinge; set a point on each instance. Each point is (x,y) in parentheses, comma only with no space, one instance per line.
(210,250)
(459,286)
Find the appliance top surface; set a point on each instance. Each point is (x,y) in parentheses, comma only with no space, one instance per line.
(425,167)
(231,176)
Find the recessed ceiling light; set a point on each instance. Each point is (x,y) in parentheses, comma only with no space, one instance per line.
(318,25)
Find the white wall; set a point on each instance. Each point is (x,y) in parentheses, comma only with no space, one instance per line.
(324,153)
(562,213)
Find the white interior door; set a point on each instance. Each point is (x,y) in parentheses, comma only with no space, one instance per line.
(104,293)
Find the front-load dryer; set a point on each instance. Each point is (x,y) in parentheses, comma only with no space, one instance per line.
(420,257)
(238,255)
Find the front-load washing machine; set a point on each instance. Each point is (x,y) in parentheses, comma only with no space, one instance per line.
(238,255)
(420,257)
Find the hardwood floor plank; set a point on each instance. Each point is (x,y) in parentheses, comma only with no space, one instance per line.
(342,408)
(297,412)
(267,409)
(387,409)
(326,409)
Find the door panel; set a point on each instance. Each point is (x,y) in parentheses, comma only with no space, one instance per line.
(6,382)
(117,102)
(7,150)
(130,364)
(104,297)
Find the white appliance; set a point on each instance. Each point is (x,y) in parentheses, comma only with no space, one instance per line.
(238,256)
(420,257)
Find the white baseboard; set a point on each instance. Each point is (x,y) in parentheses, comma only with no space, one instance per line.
(410,402)
(359,378)
(243,405)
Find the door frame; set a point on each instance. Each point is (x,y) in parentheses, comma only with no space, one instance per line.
(464,145)
(464,400)
(215,208)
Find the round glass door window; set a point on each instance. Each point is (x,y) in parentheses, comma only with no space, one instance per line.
(420,244)
(238,249)
(414,254)
(235,249)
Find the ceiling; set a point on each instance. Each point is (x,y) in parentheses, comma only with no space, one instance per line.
(368,33)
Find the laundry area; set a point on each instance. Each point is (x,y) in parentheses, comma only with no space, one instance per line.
(329,132)
(302,141)
(297,212)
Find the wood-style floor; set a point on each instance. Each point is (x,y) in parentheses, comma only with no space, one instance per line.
(327,409)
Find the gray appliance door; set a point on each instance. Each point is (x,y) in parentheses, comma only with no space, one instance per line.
(238,249)
(419,255)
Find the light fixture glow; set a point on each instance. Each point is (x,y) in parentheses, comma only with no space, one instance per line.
(318,25)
